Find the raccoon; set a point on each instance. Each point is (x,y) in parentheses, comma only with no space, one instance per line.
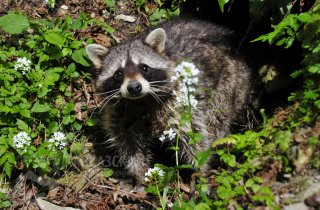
(134,78)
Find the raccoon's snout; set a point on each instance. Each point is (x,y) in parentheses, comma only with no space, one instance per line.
(134,87)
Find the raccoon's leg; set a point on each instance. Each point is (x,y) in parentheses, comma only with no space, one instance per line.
(137,164)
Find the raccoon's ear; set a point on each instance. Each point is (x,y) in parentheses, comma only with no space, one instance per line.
(157,39)
(96,53)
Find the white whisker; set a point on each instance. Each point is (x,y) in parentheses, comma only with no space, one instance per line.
(160,86)
(111,91)
(114,95)
(156,97)
(166,80)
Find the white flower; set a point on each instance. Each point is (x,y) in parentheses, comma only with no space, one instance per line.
(186,74)
(21,140)
(155,173)
(168,134)
(170,204)
(50,3)
(58,139)
(23,64)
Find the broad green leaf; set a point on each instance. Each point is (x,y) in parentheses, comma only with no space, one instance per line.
(8,168)
(37,107)
(306,18)
(51,77)
(3,149)
(53,127)
(77,126)
(14,23)
(25,113)
(107,172)
(68,108)
(55,38)
(75,44)
(22,125)
(78,57)
(3,159)
(67,119)
(76,148)
(66,158)
(76,24)
(66,51)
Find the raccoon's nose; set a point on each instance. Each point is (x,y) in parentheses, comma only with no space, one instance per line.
(134,87)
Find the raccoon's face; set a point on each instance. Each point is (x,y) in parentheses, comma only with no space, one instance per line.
(134,69)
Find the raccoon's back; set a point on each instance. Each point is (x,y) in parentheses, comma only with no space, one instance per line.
(186,37)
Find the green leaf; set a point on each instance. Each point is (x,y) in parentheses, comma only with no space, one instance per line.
(8,168)
(306,18)
(111,4)
(67,119)
(107,172)
(14,23)
(25,113)
(158,14)
(75,44)
(92,122)
(76,24)
(22,125)
(51,77)
(66,51)
(201,157)
(66,159)
(186,118)
(222,3)
(76,148)
(37,107)
(68,108)
(3,149)
(78,57)
(55,38)
(139,3)
(77,126)
(195,138)
(53,127)
(283,138)
(3,159)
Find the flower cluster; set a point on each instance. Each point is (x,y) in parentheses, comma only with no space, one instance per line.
(23,64)
(21,140)
(168,134)
(58,139)
(153,173)
(186,74)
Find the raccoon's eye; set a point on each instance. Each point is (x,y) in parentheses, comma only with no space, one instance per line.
(118,75)
(144,68)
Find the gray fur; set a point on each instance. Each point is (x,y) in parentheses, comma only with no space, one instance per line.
(224,87)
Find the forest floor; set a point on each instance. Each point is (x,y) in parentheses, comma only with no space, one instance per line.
(84,186)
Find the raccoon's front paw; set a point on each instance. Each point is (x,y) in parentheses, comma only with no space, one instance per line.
(137,166)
